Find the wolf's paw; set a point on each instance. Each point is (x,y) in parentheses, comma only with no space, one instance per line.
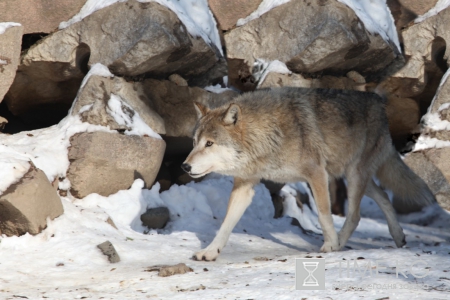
(207,254)
(400,240)
(330,247)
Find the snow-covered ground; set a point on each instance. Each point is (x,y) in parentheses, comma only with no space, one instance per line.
(63,261)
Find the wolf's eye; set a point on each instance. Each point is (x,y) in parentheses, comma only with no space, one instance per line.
(194,143)
(208,144)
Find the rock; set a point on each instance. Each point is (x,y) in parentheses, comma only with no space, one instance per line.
(328,37)
(425,45)
(130,38)
(108,249)
(423,164)
(329,82)
(39,16)
(175,104)
(97,92)
(165,271)
(156,218)
(104,163)
(441,100)
(111,222)
(10,43)
(178,80)
(406,11)
(26,205)
(227,13)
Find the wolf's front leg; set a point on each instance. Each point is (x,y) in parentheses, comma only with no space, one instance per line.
(240,199)
(319,185)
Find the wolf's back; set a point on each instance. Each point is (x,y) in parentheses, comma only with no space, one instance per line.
(411,193)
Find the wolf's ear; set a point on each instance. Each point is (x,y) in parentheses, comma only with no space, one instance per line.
(232,115)
(200,109)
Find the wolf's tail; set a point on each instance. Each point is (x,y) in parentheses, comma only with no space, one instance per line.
(411,193)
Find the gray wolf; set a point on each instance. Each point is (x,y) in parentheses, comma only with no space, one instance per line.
(296,134)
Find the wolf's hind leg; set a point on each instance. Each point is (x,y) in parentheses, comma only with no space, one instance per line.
(319,185)
(380,197)
(240,199)
(356,186)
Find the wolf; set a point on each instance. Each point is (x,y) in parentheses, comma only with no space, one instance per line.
(296,134)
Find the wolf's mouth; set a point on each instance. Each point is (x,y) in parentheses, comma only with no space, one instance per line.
(199,174)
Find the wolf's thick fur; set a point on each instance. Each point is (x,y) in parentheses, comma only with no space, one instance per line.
(296,134)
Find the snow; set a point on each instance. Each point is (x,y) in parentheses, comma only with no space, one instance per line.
(119,110)
(262,67)
(47,148)
(265,6)
(433,121)
(217,89)
(440,6)
(195,15)
(88,8)
(6,25)
(377,18)
(63,262)
(427,143)
(3,62)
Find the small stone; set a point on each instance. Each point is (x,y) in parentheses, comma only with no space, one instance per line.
(108,249)
(165,270)
(156,218)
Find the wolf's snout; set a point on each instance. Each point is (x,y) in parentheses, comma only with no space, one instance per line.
(186,167)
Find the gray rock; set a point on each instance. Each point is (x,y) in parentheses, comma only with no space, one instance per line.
(227,13)
(155,218)
(39,16)
(26,205)
(105,163)
(108,249)
(165,270)
(175,104)
(97,92)
(130,38)
(10,42)
(328,37)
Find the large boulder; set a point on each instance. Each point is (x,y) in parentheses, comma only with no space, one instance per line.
(425,45)
(26,204)
(175,104)
(39,16)
(104,163)
(10,42)
(432,151)
(94,101)
(328,37)
(130,38)
(227,13)
(405,11)
(348,82)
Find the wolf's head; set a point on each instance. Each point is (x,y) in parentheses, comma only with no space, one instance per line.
(215,141)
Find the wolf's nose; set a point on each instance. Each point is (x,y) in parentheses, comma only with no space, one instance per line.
(186,167)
